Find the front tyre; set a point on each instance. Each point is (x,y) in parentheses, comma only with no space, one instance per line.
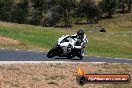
(51,53)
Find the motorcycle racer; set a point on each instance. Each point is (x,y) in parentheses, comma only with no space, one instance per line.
(81,40)
(69,46)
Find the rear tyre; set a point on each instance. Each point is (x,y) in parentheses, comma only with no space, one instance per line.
(80,57)
(70,56)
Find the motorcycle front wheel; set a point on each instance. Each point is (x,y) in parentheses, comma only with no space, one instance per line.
(51,53)
(54,52)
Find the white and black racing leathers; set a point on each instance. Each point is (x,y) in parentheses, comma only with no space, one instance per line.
(80,43)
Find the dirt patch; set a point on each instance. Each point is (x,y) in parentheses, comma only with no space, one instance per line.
(57,75)
(5,40)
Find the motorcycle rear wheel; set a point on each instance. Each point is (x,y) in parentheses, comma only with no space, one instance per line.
(81,57)
(70,56)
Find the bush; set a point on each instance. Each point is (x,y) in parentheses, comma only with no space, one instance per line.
(53,12)
(89,10)
(19,13)
(53,16)
(5,7)
(108,7)
(124,5)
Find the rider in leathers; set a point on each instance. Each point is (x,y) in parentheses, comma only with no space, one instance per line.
(81,39)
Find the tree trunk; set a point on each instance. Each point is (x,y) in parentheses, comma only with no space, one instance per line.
(129,7)
(68,22)
(123,6)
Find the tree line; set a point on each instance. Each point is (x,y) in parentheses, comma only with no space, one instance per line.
(64,12)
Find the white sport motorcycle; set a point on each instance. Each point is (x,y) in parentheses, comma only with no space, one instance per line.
(66,48)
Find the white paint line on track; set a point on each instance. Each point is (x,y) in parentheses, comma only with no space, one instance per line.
(35,62)
(2,48)
(48,62)
(110,57)
(21,49)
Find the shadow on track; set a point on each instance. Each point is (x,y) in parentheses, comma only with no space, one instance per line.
(75,58)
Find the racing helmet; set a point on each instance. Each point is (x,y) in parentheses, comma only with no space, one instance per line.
(80,34)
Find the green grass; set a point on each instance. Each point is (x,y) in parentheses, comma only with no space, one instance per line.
(116,42)
(112,44)
(119,22)
(31,35)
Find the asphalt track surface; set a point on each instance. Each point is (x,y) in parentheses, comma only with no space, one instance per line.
(23,55)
